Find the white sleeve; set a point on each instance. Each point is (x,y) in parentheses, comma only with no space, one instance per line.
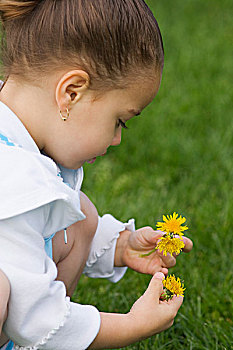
(100,263)
(40,315)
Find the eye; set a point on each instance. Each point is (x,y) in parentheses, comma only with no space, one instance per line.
(122,124)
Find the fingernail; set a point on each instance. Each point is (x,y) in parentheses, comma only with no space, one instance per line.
(159,275)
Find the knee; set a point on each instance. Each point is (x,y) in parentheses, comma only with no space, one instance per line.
(4,297)
(91,214)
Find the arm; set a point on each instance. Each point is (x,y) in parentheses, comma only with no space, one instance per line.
(118,244)
(148,316)
(39,313)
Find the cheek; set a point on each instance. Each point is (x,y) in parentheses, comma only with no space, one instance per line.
(93,145)
(105,134)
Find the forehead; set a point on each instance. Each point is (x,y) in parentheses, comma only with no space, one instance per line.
(141,92)
(132,97)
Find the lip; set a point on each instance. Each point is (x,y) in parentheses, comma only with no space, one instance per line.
(91,161)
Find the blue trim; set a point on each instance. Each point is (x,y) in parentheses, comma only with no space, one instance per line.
(48,246)
(10,345)
(4,140)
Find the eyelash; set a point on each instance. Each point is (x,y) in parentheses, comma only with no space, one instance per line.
(122,124)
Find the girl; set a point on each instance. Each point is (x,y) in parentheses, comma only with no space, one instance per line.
(77,71)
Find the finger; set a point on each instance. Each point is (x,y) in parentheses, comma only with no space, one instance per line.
(188,245)
(187,248)
(155,236)
(176,302)
(155,268)
(168,260)
(164,270)
(155,287)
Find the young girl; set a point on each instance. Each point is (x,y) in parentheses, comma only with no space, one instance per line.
(77,71)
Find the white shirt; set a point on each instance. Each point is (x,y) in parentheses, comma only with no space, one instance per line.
(35,203)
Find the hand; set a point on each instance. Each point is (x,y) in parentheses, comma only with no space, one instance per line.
(152,315)
(131,245)
(148,316)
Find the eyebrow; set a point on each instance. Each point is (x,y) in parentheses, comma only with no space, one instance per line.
(134,112)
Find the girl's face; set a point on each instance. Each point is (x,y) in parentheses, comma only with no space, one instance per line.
(96,123)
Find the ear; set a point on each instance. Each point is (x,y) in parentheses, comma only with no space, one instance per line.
(71,88)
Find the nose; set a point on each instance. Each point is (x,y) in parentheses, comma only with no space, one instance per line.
(117,138)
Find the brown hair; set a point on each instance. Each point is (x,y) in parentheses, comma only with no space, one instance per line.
(108,38)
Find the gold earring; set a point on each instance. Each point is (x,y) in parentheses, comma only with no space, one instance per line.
(65,117)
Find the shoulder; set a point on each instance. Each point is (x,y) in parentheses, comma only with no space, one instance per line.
(21,168)
(29,180)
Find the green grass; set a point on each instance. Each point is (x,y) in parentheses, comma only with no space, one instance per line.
(179,157)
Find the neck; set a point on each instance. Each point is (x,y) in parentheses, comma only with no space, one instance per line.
(30,104)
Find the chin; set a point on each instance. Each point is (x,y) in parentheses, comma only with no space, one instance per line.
(72,165)
(75,167)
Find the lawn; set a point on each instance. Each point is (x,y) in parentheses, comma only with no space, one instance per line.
(179,157)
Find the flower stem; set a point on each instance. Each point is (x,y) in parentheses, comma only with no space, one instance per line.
(166,295)
(147,254)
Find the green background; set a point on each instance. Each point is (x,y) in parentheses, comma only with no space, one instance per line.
(178,157)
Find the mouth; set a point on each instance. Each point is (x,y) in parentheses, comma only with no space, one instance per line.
(91,161)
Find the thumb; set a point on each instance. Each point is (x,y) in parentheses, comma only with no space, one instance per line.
(155,287)
(155,236)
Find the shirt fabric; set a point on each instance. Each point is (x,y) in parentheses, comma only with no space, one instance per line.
(36,203)
(8,346)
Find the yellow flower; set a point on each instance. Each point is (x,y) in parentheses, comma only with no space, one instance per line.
(172,287)
(169,244)
(172,224)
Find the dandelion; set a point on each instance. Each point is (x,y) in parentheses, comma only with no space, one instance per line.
(168,244)
(172,286)
(172,224)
